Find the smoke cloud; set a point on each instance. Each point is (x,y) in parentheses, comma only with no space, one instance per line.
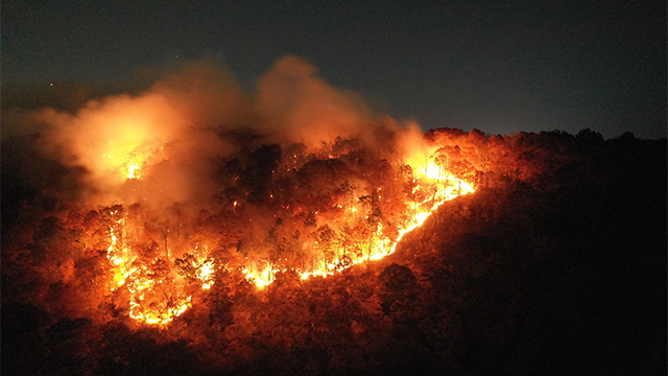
(179,130)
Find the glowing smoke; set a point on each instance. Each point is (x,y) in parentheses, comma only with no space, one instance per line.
(182,125)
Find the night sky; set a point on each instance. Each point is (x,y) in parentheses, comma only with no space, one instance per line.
(500,67)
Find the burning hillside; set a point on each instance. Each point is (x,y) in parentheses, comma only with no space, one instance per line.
(178,190)
(328,215)
(288,230)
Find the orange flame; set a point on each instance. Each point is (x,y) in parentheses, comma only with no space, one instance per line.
(157,294)
(152,299)
(447,188)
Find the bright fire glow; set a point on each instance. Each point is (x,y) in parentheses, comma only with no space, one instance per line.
(155,297)
(133,172)
(131,163)
(157,293)
(447,188)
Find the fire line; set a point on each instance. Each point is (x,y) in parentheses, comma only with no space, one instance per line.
(157,295)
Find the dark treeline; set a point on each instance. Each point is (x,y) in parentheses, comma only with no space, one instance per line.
(556,265)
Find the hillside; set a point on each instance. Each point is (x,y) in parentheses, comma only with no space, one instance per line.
(555,265)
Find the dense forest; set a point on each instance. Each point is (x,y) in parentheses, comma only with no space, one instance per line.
(556,264)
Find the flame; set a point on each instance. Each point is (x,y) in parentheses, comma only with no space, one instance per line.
(205,270)
(261,277)
(130,163)
(155,298)
(132,171)
(157,293)
(430,176)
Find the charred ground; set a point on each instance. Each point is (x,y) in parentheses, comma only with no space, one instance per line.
(556,265)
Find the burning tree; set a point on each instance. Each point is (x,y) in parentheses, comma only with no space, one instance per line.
(313,218)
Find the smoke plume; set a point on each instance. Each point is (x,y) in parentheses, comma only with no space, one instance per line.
(183,126)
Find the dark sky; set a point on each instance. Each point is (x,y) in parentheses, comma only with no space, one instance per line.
(500,67)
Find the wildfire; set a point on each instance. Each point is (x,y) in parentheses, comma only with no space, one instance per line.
(143,284)
(130,163)
(447,188)
(156,284)
(204,267)
(135,162)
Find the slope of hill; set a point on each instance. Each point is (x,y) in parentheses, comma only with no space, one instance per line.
(556,265)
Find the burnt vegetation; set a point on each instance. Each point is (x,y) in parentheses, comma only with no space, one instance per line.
(556,265)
